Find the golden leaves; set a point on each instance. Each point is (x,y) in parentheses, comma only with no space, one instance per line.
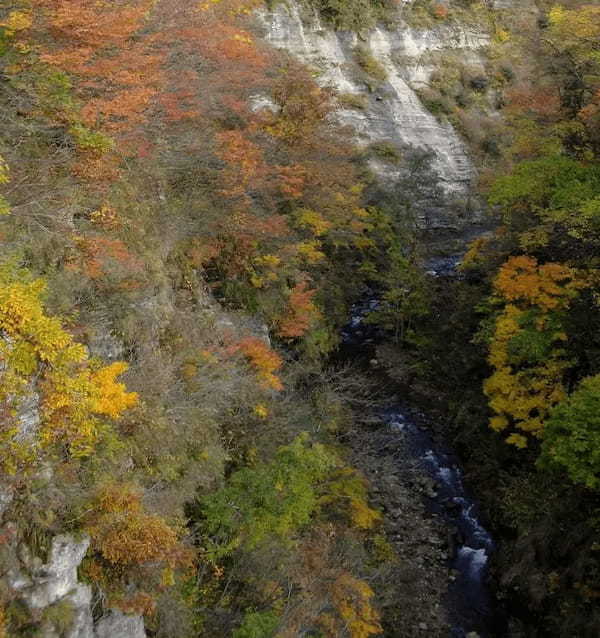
(123,533)
(4,171)
(4,179)
(106,217)
(41,358)
(16,21)
(111,398)
(314,221)
(261,411)
(348,492)
(352,599)
(525,350)
(264,360)
(549,286)
(126,539)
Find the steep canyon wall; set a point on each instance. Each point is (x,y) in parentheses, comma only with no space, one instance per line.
(390,109)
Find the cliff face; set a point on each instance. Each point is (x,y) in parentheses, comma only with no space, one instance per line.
(391,111)
(53,595)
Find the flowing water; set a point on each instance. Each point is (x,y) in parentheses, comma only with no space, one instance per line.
(470,602)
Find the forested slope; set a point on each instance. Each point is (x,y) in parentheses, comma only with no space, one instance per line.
(150,215)
(184,226)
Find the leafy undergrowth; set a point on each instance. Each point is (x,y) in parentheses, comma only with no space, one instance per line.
(155,227)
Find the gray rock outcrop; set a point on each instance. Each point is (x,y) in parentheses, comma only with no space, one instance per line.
(393,111)
(116,624)
(47,583)
(44,585)
(54,585)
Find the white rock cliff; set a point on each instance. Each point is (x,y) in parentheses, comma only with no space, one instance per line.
(42,586)
(393,111)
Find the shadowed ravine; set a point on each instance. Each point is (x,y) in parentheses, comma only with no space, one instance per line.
(469,602)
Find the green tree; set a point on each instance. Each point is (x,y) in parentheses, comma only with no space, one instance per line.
(551,200)
(403,298)
(572,435)
(274,499)
(257,625)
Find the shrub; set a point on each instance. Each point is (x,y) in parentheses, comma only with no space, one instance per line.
(353,101)
(386,152)
(60,616)
(353,15)
(258,625)
(479,83)
(271,500)
(371,66)
(125,535)
(131,548)
(264,360)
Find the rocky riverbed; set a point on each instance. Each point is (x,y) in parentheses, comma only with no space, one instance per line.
(440,576)
(421,574)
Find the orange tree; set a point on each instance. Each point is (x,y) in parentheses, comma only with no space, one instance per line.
(527,351)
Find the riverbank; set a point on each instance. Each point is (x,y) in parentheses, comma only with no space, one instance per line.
(431,519)
(419,575)
(443,547)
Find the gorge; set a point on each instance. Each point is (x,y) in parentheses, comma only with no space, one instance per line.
(299,318)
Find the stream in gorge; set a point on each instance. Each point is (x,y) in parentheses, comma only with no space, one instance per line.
(470,603)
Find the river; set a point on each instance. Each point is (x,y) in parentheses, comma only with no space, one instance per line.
(470,603)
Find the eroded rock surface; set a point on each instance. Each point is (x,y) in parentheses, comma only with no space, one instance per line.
(116,624)
(53,594)
(51,581)
(393,111)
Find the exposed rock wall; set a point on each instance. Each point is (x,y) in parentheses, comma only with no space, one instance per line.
(55,599)
(393,111)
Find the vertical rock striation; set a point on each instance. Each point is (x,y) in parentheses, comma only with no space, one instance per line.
(393,111)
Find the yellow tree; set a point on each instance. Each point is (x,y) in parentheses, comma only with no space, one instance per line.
(53,397)
(526,350)
(4,179)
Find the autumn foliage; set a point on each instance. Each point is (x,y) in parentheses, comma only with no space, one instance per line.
(548,286)
(131,545)
(172,168)
(352,599)
(125,535)
(526,351)
(300,314)
(77,397)
(333,601)
(264,360)
(97,43)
